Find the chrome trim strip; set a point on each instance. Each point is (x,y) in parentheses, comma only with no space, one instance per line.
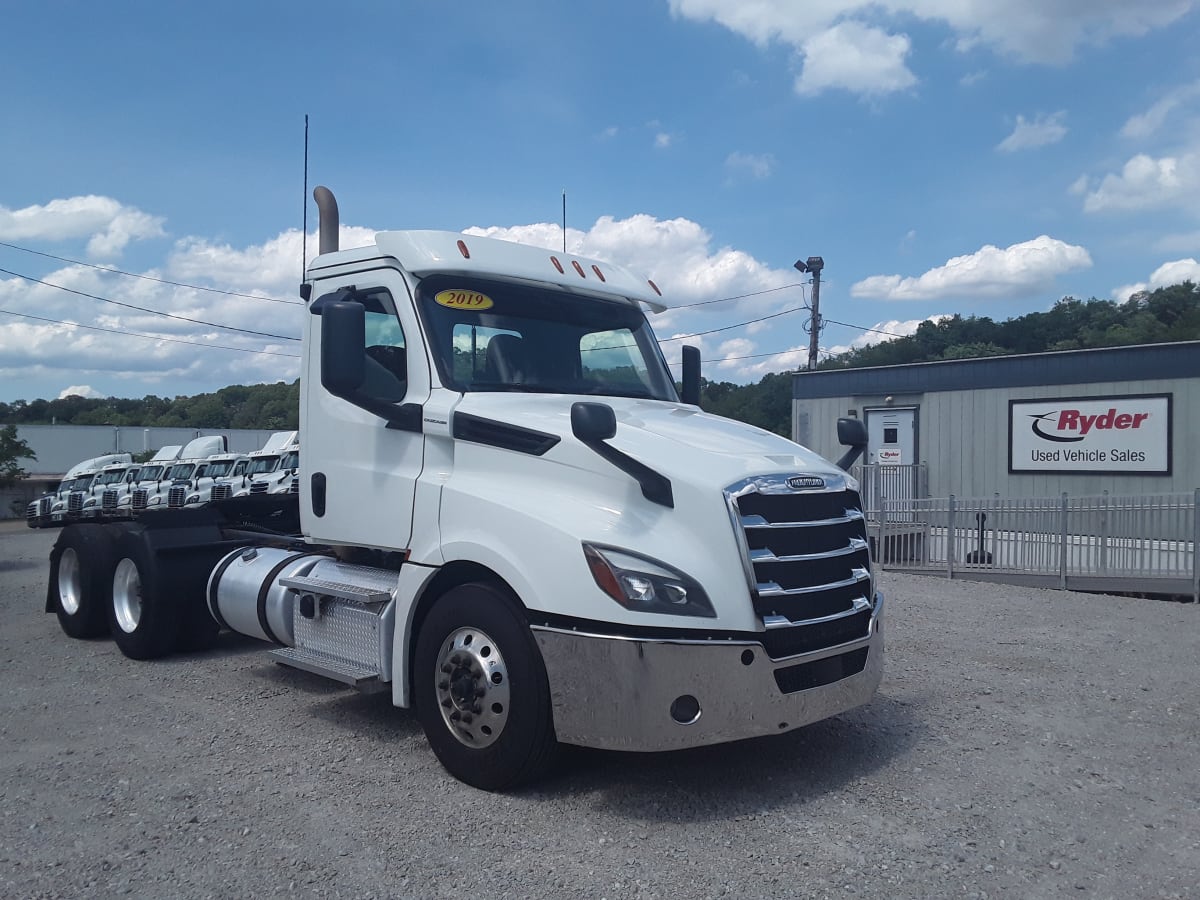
(835,482)
(772,589)
(856,544)
(859,604)
(852,515)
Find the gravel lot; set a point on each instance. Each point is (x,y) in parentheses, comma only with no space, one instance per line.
(1025,743)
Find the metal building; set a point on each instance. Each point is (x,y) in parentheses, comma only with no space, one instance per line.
(1125,420)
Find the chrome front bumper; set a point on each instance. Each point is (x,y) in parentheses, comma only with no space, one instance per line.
(619,693)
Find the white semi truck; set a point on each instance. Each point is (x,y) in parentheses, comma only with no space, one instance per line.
(117,501)
(51,508)
(509,520)
(179,478)
(273,469)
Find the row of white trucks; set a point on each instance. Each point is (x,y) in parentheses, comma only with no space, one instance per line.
(114,486)
(509,518)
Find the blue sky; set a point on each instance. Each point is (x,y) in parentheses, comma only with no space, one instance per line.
(942,157)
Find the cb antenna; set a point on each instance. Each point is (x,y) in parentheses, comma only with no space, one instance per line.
(304,226)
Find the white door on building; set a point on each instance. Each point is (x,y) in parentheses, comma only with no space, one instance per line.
(891,470)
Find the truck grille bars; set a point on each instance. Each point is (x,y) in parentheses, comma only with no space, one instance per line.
(806,558)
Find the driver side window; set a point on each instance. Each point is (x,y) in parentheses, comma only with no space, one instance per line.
(386,375)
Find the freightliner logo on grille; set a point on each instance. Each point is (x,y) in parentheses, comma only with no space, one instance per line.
(805,482)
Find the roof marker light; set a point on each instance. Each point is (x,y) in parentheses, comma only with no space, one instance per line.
(462,248)
(599,274)
(557,265)
(579,268)
(655,286)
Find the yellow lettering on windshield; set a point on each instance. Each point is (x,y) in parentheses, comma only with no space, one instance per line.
(463,300)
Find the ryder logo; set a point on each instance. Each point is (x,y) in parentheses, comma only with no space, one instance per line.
(1069,425)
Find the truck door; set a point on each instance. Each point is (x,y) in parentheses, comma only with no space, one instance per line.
(891,470)
(358,476)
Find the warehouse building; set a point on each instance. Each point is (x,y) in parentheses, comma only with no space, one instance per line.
(1125,420)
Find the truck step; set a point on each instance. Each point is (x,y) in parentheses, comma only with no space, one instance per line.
(355,592)
(356,676)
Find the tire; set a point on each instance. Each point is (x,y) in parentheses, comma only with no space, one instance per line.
(480,689)
(81,567)
(143,616)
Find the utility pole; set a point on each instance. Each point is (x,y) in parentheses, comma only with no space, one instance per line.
(813,264)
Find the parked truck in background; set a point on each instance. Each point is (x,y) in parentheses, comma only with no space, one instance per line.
(117,501)
(40,512)
(178,478)
(214,478)
(90,503)
(274,468)
(509,519)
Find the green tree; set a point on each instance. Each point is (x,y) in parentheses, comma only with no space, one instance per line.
(12,448)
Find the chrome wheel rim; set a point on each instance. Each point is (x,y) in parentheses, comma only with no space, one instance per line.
(471,681)
(70,592)
(127,595)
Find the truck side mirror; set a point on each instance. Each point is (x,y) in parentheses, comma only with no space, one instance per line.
(691,375)
(343,339)
(593,421)
(852,433)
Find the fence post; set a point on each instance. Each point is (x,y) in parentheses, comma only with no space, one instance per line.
(1196,546)
(1105,530)
(879,535)
(1062,545)
(950,538)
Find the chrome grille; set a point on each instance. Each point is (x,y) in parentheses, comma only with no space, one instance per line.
(258,487)
(294,487)
(176,495)
(75,503)
(108,501)
(807,559)
(141,497)
(222,491)
(31,512)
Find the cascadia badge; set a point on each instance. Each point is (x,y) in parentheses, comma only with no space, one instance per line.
(805,482)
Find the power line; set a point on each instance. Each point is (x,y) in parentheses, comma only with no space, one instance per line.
(865,328)
(152,337)
(194,287)
(154,312)
(783,287)
(738,325)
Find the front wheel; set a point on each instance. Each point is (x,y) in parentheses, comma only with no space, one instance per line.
(481,692)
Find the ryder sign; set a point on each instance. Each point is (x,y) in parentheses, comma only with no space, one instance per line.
(1120,435)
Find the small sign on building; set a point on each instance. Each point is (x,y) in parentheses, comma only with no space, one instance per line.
(1126,435)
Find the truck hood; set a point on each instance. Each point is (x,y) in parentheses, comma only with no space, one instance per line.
(677,440)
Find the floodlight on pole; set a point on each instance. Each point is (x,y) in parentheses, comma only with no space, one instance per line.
(813,265)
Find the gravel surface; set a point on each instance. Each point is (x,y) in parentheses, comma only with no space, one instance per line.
(1025,743)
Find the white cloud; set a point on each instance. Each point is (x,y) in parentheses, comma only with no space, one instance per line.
(1169,273)
(1036,31)
(1145,124)
(1144,183)
(989,272)
(80,390)
(882,332)
(757,165)
(108,225)
(662,140)
(857,58)
(1040,132)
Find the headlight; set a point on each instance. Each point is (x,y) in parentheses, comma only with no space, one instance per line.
(155,500)
(642,584)
(195,498)
(88,503)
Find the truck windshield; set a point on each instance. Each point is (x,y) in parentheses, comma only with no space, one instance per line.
(492,336)
(218,469)
(150,473)
(83,482)
(261,465)
(182,471)
(291,460)
(111,477)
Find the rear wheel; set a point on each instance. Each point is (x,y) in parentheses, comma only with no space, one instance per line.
(481,691)
(81,566)
(142,615)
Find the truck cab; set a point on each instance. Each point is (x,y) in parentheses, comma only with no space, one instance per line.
(213,480)
(510,518)
(273,468)
(110,482)
(178,479)
(119,503)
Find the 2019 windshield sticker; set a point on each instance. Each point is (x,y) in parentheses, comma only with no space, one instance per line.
(463,300)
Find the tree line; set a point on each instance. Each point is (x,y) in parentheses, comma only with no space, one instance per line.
(1162,316)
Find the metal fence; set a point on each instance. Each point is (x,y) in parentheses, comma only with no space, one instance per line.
(1119,543)
(897,483)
